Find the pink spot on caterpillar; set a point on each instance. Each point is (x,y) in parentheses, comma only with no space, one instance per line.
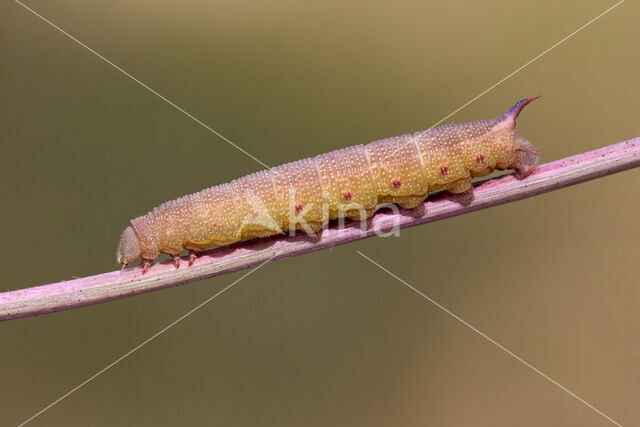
(347,196)
(176,261)
(480,159)
(396,184)
(444,170)
(298,208)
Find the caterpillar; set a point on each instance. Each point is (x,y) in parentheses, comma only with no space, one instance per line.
(350,182)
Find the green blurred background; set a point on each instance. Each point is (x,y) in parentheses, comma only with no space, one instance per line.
(326,338)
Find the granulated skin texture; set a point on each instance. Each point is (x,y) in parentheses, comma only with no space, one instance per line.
(306,194)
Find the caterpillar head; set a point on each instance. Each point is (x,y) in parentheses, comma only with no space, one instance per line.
(128,248)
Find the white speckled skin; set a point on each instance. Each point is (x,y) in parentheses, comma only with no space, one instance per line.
(307,193)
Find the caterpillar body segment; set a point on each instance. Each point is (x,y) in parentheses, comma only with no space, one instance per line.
(351,182)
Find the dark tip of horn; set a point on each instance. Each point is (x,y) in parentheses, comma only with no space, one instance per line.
(514,111)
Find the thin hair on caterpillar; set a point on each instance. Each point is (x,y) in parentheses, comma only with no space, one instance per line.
(350,183)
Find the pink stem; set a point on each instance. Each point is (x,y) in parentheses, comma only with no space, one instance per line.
(492,192)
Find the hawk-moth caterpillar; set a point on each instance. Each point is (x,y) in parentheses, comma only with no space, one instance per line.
(349,182)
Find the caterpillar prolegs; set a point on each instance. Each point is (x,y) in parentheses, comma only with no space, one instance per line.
(351,182)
